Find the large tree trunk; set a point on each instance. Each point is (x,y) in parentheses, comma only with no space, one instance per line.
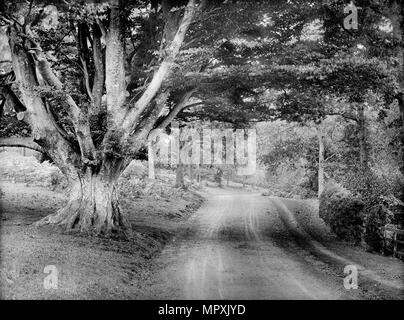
(93,206)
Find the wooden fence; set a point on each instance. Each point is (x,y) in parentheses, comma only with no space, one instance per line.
(20,150)
(397,239)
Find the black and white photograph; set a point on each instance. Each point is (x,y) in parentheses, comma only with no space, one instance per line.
(201,153)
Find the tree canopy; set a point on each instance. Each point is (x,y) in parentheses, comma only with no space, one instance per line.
(92,80)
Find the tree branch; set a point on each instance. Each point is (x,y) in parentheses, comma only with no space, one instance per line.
(133,115)
(343,115)
(20,142)
(11,99)
(2,103)
(142,132)
(43,129)
(99,75)
(78,117)
(81,40)
(27,18)
(183,102)
(115,81)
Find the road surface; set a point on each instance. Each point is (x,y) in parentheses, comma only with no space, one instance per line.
(241,245)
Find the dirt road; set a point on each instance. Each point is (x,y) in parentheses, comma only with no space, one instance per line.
(242,245)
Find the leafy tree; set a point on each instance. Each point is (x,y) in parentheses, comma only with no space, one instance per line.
(94,121)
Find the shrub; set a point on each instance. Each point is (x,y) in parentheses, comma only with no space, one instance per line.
(381,205)
(342,212)
(375,218)
(289,180)
(17,168)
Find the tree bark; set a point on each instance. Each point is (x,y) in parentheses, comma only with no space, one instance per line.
(99,71)
(93,206)
(115,82)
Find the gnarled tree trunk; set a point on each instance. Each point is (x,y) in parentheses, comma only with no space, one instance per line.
(93,205)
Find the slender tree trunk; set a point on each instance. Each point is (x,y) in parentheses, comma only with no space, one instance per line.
(150,159)
(401,109)
(198,173)
(191,173)
(320,160)
(363,154)
(219,177)
(395,12)
(93,205)
(179,176)
(179,173)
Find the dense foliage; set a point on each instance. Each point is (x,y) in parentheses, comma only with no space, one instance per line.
(342,212)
